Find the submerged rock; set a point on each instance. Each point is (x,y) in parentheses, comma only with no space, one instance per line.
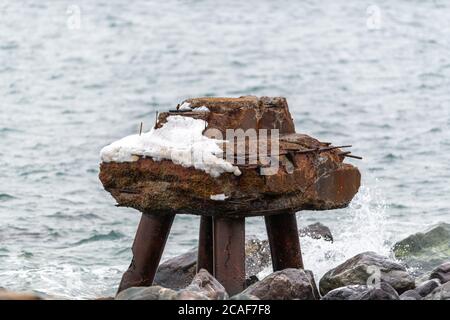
(442,273)
(365,269)
(440,293)
(203,287)
(317,231)
(425,250)
(383,291)
(286,284)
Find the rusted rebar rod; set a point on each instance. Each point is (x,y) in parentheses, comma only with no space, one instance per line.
(352,156)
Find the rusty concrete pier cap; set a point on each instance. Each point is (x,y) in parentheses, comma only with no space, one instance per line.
(311,174)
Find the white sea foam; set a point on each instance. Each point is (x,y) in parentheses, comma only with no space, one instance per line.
(180,140)
(360,228)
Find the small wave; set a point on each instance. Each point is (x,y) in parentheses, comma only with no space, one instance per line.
(26,254)
(6,197)
(9,46)
(73,217)
(112,235)
(435,130)
(391,157)
(397,206)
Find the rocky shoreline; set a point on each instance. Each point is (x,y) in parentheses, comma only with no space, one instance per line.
(366,276)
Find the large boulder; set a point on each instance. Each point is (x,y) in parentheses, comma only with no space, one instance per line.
(177,272)
(287,284)
(151,293)
(383,291)
(410,295)
(204,283)
(426,287)
(442,273)
(203,287)
(423,251)
(440,293)
(365,269)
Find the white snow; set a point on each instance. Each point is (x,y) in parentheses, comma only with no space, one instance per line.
(202,109)
(218,197)
(186,106)
(180,139)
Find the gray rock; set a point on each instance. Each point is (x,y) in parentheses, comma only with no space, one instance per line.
(204,283)
(251,280)
(425,288)
(442,273)
(366,269)
(203,287)
(178,272)
(383,291)
(286,284)
(440,293)
(150,293)
(317,231)
(425,250)
(346,293)
(241,296)
(410,295)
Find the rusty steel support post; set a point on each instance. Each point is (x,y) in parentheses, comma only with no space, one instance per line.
(229,253)
(148,246)
(284,241)
(205,245)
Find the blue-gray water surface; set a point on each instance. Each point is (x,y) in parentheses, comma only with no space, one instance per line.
(77,75)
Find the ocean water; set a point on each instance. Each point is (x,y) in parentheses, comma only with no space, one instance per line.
(77,75)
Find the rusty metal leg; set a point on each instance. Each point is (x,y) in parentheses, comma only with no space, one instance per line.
(205,245)
(229,253)
(148,247)
(284,241)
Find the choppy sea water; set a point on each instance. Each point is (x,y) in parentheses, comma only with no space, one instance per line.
(376,77)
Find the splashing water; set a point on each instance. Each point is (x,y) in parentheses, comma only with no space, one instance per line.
(361,228)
